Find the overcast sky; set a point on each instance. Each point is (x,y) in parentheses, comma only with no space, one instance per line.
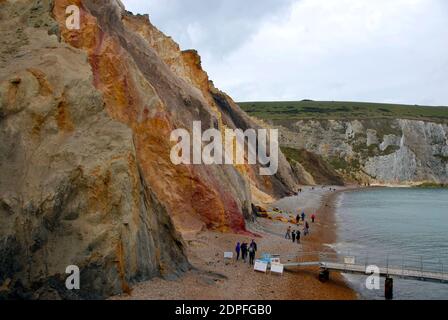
(354,50)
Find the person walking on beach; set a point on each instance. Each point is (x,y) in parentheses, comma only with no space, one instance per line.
(251,255)
(254,244)
(303,215)
(306,231)
(244,251)
(288,233)
(313,217)
(252,250)
(237,250)
(298,236)
(297,218)
(293,236)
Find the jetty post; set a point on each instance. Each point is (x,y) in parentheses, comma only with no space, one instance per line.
(324,275)
(389,288)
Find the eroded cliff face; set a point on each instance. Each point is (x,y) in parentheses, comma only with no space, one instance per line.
(378,151)
(72,191)
(85,172)
(153,87)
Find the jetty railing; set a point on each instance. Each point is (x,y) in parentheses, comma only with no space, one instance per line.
(425,267)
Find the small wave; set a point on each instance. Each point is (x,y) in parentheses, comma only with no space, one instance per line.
(344,247)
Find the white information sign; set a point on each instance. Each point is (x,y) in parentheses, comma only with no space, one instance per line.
(277,268)
(349,260)
(260,266)
(228,255)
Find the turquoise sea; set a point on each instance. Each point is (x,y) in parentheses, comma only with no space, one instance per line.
(396,226)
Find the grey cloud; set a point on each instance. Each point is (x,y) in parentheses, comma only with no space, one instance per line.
(365,50)
(214,26)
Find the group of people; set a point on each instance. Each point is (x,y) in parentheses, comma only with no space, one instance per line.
(246,250)
(296,234)
(303,216)
(293,235)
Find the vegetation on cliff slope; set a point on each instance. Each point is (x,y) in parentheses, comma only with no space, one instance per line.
(362,142)
(314,164)
(307,109)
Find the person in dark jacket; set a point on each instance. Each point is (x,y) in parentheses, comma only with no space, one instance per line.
(293,236)
(253,244)
(252,251)
(237,250)
(298,236)
(306,230)
(244,251)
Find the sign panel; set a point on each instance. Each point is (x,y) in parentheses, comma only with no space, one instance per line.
(277,268)
(349,260)
(260,266)
(228,255)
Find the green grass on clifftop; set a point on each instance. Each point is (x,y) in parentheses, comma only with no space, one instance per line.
(308,109)
(432,185)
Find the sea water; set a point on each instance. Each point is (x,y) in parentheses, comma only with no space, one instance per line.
(403,227)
